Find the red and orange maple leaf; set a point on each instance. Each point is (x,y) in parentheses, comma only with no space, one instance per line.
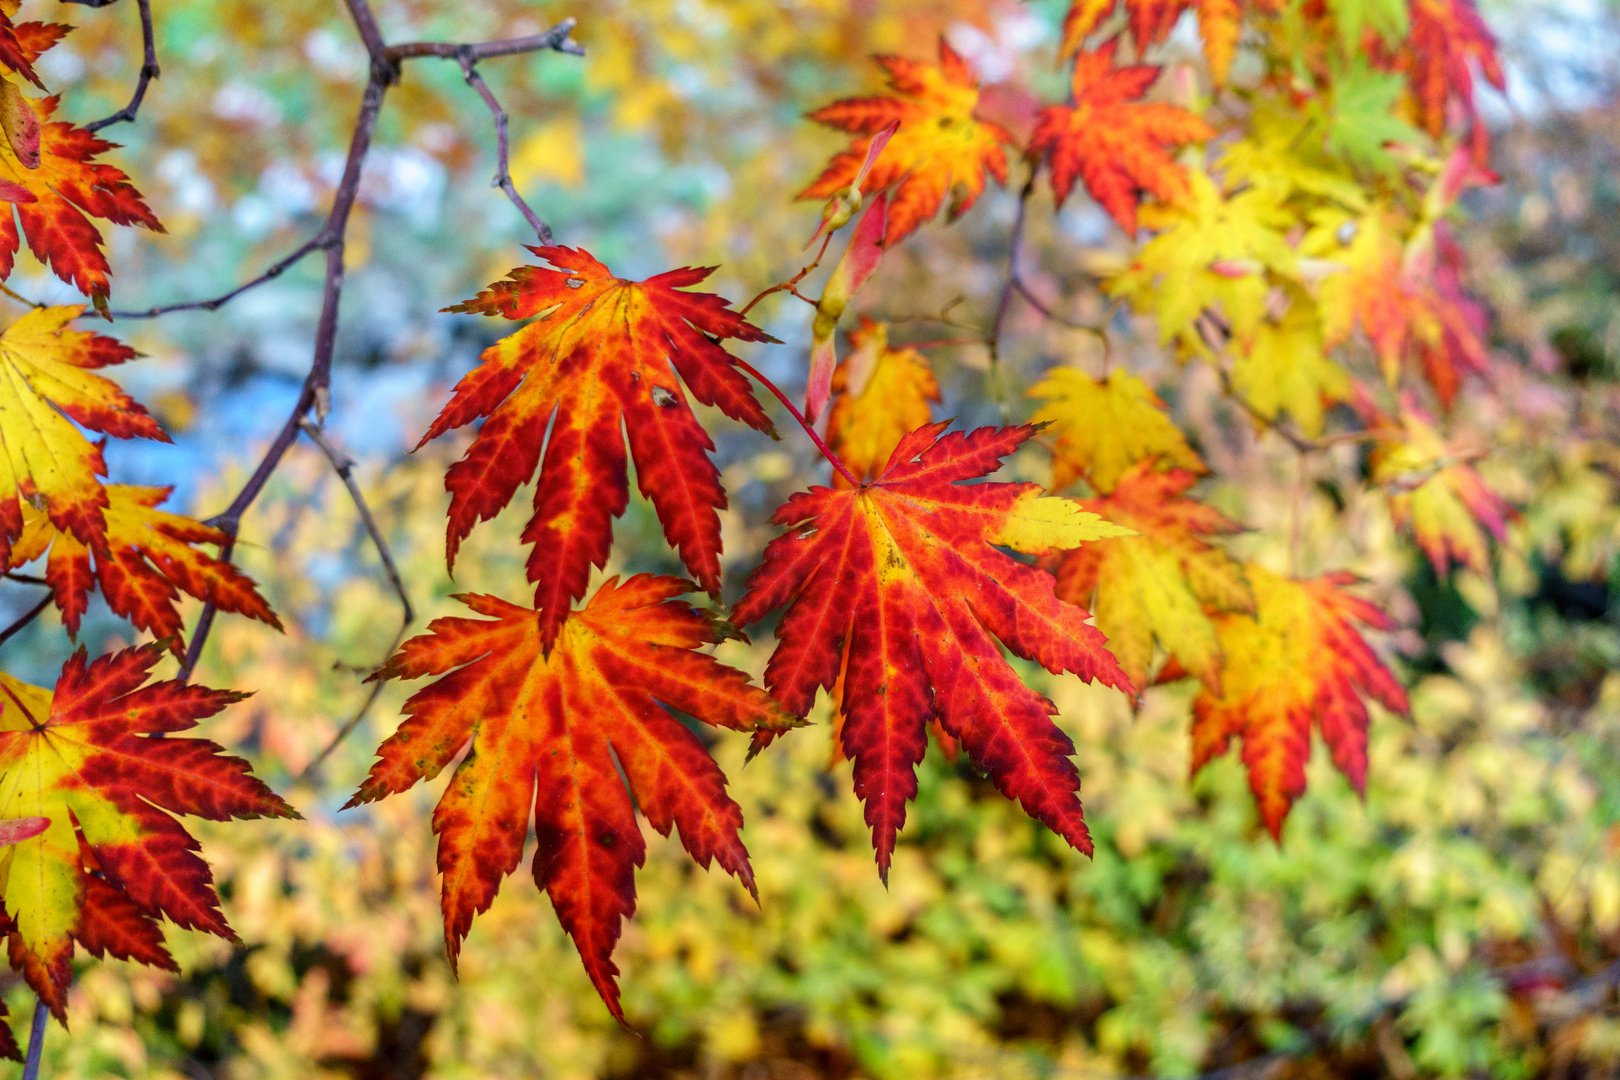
(1219,21)
(549,733)
(1298,662)
(56,194)
(148,559)
(1116,145)
(100,759)
(941,148)
(905,571)
(1448,36)
(598,363)
(22,43)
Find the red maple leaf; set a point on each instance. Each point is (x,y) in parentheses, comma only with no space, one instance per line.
(597,365)
(1116,145)
(99,759)
(1219,21)
(1446,36)
(941,148)
(549,733)
(905,570)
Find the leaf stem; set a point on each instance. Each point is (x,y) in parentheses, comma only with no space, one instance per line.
(826,451)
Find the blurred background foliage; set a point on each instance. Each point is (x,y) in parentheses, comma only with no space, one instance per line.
(1463,920)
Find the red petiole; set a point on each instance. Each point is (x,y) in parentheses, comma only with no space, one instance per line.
(826,451)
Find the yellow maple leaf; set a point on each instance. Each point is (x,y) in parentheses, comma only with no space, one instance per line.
(1104,426)
(46,385)
(1286,367)
(881,393)
(1160,583)
(1214,253)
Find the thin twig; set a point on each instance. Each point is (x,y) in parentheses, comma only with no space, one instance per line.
(993,339)
(33,613)
(26,579)
(36,1039)
(790,285)
(149,71)
(315,394)
(503,175)
(826,451)
(343,465)
(556,39)
(314,243)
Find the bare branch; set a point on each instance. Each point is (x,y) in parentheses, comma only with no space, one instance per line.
(344,467)
(316,390)
(149,71)
(318,241)
(33,613)
(36,1039)
(556,39)
(503,176)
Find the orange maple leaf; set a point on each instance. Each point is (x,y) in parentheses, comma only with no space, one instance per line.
(50,387)
(549,733)
(1407,296)
(149,558)
(100,759)
(1161,583)
(56,188)
(1298,659)
(941,147)
(1219,21)
(1115,144)
(905,570)
(601,359)
(1446,36)
(880,395)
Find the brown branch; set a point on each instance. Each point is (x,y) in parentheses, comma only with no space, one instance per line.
(343,465)
(316,390)
(556,39)
(149,71)
(33,613)
(791,284)
(36,1039)
(319,241)
(503,175)
(993,339)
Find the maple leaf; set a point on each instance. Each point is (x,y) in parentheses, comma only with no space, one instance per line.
(549,732)
(1405,293)
(147,560)
(905,570)
(22,43)
(1104,426)
(1285,366)
(1298,659)
(1363,118)
(1117,145)
(941,147)
(601,359)
(1214,253)
(1275,155)
(881,394)
(100,759)
(56,195)
(1159,583)
(48,387)
(1220,22)
(1434,490)
(1446,35)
